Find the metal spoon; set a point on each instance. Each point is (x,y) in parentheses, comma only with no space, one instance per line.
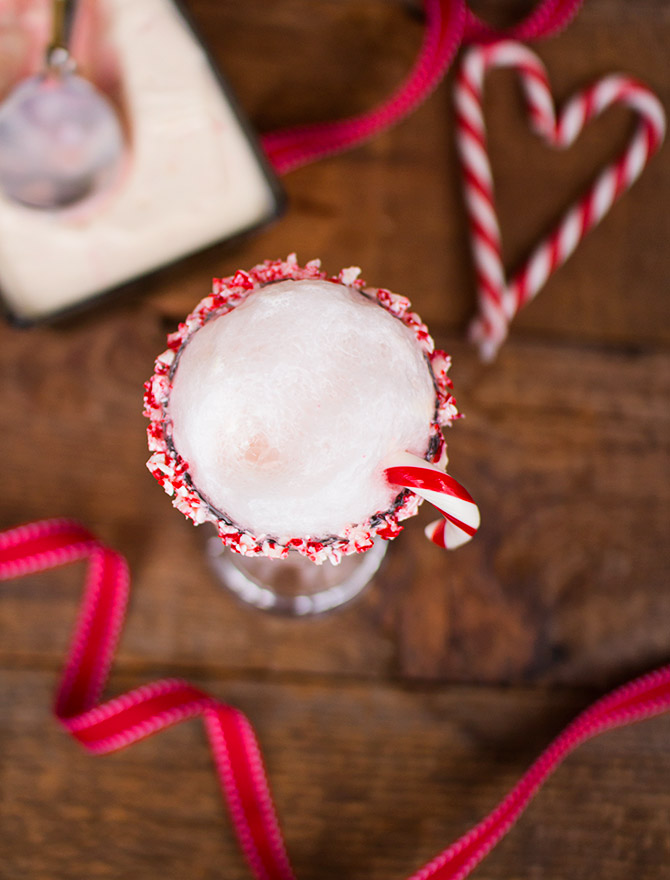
(60,138)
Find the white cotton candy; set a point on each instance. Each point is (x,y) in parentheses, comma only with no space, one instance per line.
(286,408)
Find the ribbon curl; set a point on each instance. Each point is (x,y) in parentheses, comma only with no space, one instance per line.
(104,727)
(449,23)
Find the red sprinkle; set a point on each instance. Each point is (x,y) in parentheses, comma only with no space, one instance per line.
(170,470)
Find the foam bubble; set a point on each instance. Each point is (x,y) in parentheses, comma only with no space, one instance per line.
(287,407)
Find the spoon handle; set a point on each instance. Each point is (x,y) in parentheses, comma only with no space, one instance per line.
(61,31)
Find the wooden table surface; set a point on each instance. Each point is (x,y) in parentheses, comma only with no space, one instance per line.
(391,726)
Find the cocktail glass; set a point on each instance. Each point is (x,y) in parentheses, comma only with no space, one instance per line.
(207,445)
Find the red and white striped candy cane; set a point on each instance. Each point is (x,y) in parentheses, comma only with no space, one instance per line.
(461,514)
(499,298)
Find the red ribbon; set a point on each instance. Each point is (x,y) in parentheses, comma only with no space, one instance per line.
(449,23)
(105,727)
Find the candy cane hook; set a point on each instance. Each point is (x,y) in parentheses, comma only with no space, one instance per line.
(461,514)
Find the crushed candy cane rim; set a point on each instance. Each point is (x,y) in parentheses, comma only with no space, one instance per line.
(171,471)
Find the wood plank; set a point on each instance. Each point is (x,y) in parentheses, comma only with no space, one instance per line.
(394,206)
(369,783)
(565,450)
(570,567)
(380,748)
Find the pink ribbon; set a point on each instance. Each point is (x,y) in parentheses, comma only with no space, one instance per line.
(107,726)
(119,722)
(448,24)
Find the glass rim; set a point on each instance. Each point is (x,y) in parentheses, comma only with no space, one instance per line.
(171,471)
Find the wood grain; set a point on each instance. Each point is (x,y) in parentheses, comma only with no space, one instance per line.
(369,783)
(395,205)
(566,581)
(395,724)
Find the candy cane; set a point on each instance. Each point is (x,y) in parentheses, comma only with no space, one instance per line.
(461,514)
(500,299)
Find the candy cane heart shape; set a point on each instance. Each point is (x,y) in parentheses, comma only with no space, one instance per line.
(500,298)
(461,514)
